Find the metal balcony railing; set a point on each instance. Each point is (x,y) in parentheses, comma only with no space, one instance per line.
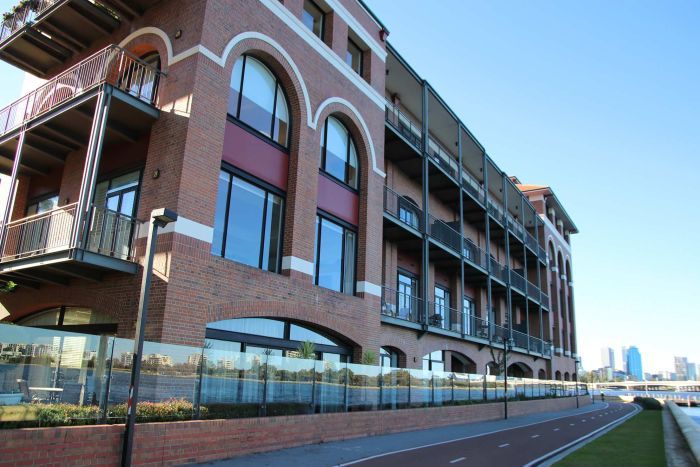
(542,253)
(544,298)
(401,305)
(531,241)
(23,14)
(498,270)
(521,340)
(473,186)
(110,234)
(112,65)
(404,125)
(444,233)
(39,234)
(515,226)
(474,254)
(533,291)
(443,157)
(402,209)
(517,280)
(445,317)
(494,208)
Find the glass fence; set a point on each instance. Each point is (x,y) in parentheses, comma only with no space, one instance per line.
(51,378)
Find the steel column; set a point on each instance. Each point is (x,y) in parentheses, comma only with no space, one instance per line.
(425,265)
(9,205)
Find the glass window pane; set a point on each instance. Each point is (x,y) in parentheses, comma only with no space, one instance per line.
(352,166)
(235,87)
(300,333)
(312,17)
(258,100)
(254,349)
(47,205)
(281,135)
(245,222)
(349,264)
(101,193)
(125,181)
(75,315)
(257,326)
(330,255)
(220,215)
(128,203)
(273,232)
(353,57)
(336,149)
(44,318)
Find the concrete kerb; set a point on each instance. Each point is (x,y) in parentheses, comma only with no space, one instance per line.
(690,430)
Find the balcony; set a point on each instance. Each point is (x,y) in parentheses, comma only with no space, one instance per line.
(57,118)
(404,126)
(515,227)
(444,233)
(401,306)
(52,247)
(517,281)
(37,35)
(495,209)
(473,187)
(475,255)
(443,158)
(533,292)
(498,270)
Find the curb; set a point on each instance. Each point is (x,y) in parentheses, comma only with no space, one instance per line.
(690,430)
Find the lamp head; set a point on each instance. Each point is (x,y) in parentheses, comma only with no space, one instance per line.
(163,216)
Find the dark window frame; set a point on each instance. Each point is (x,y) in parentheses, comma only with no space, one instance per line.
(361,57)
(323,215)
(234,171)
(322,35)
(39,199)
(350,142)
(236,118)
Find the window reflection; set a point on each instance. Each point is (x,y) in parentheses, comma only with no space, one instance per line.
(335,256)
(338,153)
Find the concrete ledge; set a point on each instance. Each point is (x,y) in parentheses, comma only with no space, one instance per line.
(207,440)
(690,430)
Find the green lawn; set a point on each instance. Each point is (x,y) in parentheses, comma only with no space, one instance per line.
(639,441)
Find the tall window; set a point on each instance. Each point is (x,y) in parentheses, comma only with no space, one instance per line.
(338,153)
(442,304)
(406,296)
(388,358)
(353,57)
(248,223)
(408,212)
(257,100)
(434,361)
(468,312)
(313,18)
(334,258)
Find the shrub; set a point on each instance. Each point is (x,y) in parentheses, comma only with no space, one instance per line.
(172,409)
(648,403)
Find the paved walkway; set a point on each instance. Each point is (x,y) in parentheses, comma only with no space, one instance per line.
(516,441)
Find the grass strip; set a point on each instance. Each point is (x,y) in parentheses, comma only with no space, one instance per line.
(639,441)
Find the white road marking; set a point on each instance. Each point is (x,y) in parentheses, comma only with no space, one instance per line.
(556,429)
(572,424)
(504,445)
(535,436)
(459,459)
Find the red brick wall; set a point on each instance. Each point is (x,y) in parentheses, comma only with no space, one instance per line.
(202,441)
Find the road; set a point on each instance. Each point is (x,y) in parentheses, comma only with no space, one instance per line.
(525,445)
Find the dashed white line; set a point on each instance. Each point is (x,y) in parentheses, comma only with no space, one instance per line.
(459,459)
(535,436)
(572,424)
(556,429)
(504,445)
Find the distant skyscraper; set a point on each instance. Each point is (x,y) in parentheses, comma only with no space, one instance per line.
(681,367)
(692,371)
(634,364)
(624,359)
(607,357)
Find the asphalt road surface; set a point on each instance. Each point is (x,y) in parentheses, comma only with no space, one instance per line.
(525,445)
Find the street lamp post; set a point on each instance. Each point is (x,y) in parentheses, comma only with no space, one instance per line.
(507,346)
(576,363)
(159,218)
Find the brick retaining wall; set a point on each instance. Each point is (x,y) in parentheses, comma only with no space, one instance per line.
(205,440)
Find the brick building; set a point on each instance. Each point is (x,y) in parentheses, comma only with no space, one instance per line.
(325,191)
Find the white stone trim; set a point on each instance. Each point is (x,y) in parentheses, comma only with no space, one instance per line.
(369,288)
(559,350)
(151,30)
(554,269)
(344,102)
(297,264)
(357,28)
(182,226)
(571,283)
(319,46)
(562,277)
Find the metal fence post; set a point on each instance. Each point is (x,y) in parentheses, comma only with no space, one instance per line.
(345,393)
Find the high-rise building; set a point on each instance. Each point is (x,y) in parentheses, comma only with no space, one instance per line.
(680,365)
(634,364)
(607,357)
(692,371)
(624,359)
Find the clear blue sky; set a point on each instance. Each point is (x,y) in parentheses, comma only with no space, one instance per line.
(601,100)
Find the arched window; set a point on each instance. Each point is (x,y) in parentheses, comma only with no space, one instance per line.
(71,318)
(257,100)
(338,153)
(273,337)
